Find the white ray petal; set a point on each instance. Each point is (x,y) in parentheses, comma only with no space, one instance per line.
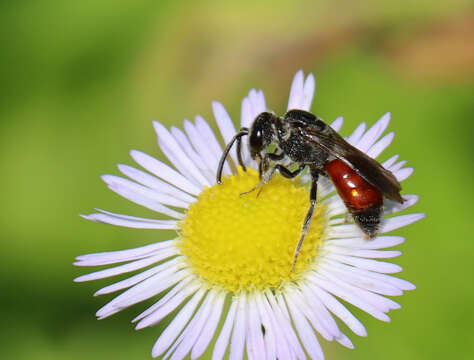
(388,224)
(357,134)
(344,231)
(367,264)
(339,310)
(306,334)
(252,105)
(345,341)
(346,295)
(156,184)
(182,154)
(126,283)
(386,164)
(336,220)
(362,278)
(255,344)
(246,113)
(237,342)
(397,166)
(173,159)
(177,324)
(325,186)
(128,217)
(296,97)
(262,101)
(337,124)
(211,141)
(257,102)
(168,303)
(403,174)
(252,96)
(203,149)
(225,124)
(194,156)
(189,336)
(397,222)
(391,207)
(130,187)
(223,340)
(282,348)
(308,92)
(142,291)
(185,144)
(389,280)
(139,223)
(177,156)
(335,206)
(129,267)
(324,316)
(261,104)
(283,320)
(112,257)
(145,201)
(209,328)
(167,297)
(269,336)
(164,172)
(379,242)
(371,136)
(294,298)
(378,301)
(376,149)
(375,254)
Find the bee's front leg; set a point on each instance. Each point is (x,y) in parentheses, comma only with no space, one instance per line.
(266,168)
(265,177)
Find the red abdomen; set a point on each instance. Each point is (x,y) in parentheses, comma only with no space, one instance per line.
(355,191)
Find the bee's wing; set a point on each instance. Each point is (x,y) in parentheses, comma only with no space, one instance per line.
(363,164)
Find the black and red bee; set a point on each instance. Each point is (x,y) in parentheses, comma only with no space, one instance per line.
(300,139)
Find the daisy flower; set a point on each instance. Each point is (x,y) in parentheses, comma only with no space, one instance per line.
(228,269)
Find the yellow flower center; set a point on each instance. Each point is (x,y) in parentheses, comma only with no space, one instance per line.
(246,242)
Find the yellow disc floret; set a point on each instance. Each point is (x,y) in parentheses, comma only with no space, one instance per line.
(245,242)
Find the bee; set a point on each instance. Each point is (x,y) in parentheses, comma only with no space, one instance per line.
(300,139)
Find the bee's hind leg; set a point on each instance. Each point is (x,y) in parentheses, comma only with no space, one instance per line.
(309,214)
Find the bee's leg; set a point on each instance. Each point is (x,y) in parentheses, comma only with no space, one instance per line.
(267,167)
(264,179)
(259,161)
(309,214)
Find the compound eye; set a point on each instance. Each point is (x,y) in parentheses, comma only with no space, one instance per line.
(260,132)
(256,140)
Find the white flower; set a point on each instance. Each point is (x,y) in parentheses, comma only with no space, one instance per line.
(232,256)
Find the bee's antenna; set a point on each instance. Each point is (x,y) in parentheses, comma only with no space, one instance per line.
(239,152)
(238,136)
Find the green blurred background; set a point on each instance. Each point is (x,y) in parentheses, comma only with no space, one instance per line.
(82,81)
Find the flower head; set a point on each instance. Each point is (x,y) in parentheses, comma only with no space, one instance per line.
(239,249)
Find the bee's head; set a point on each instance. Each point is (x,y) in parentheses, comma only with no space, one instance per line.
(261,133)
